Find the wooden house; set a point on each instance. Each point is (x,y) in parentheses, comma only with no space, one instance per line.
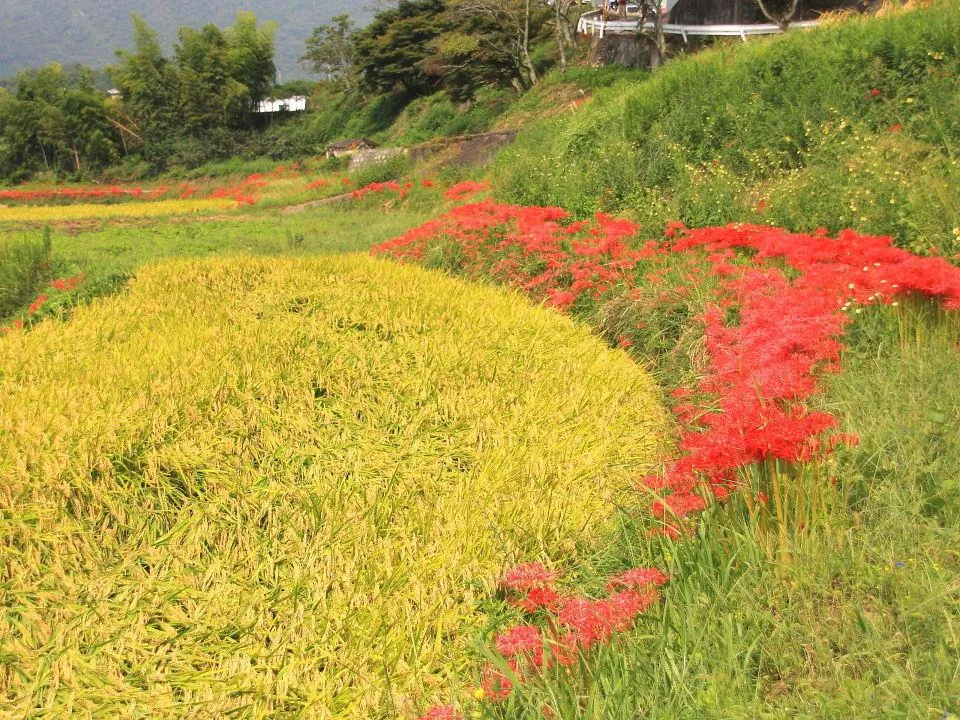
(344,148)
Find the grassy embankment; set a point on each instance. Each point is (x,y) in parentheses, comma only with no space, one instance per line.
(855,616)
(855,125)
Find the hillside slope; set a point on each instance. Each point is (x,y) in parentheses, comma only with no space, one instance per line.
(854,124)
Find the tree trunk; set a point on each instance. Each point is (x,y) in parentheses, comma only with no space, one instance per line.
(525,46)
(560,21)
(782,21)
(657,40)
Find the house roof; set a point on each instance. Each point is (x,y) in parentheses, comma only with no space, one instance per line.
(352,143)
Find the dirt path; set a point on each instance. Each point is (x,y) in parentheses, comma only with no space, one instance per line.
(303,207)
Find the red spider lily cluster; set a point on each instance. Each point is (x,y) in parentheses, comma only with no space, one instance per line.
(573,624)
(771,331)
(465,190)
(81,193)
(60,285)
(379,187)
(441,712)
(530,248)
(243,192)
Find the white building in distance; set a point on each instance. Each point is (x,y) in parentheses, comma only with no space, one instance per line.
(297,103)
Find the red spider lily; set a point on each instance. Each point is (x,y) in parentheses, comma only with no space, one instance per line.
(441,712)
(242,192)
(463,191)
(317,184)
(529,576)
(378,187)
(66,284)
(538,598)
(637,578)
(37,304)
(678,505)
(522,641)
(895,128)
(593,621)
(99,192)
(496,684)
(763,368)
(772,329)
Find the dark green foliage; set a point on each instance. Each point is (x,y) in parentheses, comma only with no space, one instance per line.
(33,32)
(331,52)
(55,123)
(215,78)
(149,85)
(24,266)
(391,51)
(392,169)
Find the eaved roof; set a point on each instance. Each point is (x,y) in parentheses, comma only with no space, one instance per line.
(347,144)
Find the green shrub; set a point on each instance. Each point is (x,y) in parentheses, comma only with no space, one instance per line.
(24,265)
(390,169)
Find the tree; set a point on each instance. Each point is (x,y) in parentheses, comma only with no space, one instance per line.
(391,50)
(331,51)
(150,88)
(783,17)
(209,97)
(465,59)
(651,11)
(517,22)
(563,28)
(59,121)
(250,53)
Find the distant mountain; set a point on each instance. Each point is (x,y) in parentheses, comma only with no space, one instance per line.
(36,32)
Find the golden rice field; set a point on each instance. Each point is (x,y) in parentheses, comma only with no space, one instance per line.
(279,487)
(136,209)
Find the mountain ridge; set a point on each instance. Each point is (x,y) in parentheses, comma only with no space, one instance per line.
(34,33)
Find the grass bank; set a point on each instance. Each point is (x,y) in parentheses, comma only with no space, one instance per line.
(851,125)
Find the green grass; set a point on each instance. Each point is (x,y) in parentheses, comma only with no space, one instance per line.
(24,265)
(107,254)
(785,131)
(858,617)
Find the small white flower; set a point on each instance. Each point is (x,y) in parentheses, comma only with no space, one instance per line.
(894,303)
(865,269)
(852,286)
(857,311)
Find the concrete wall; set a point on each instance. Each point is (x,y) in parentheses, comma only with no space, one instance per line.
(466,150)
